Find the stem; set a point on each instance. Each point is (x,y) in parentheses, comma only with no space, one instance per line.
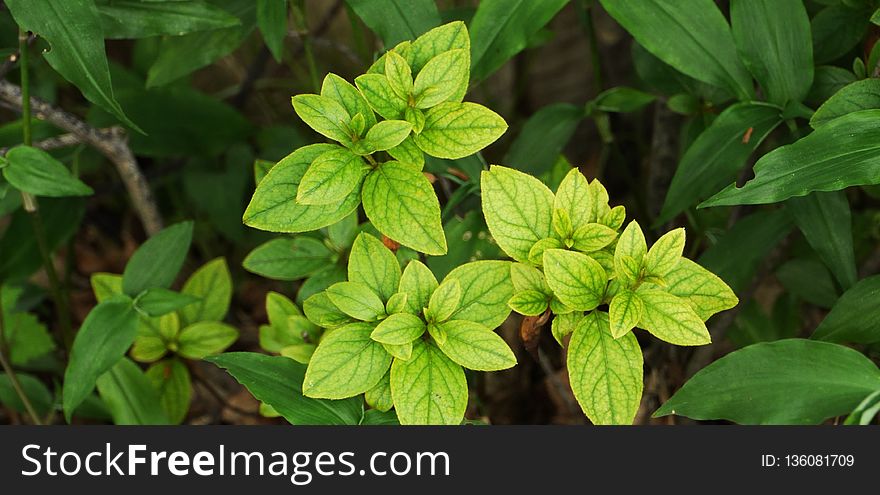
(16,385)
(302,26)
(590,28)
(25,88)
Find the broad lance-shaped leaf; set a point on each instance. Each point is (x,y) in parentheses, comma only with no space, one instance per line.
(157,261)
(703,290)
(212,284)
(665,253)
(344,93)
(860,95)
(384,136)
(774,40)
(456,130)
(605,373)
(401,203)
(73,30)
(429,388)
(441,77)
(399,74)
(826,222)
(205,338)
(398,329)
(172,381)
(277,381)
(518,210)
(671,319)
(158,301)
(288,259)
(324,115)
(272,20)
(356,300)
(444,301)
(485,290)
(331,178)
(855,318)
(34,171)
(475,347)
(575,197)
(132,19)
(273,206)
(844,152)
(379,397)
(625,312)
(105,335)
(130,396)
(718,154)
(529,302)
(347,362)
(690,35)
(374,265)
(418,283)
(792,381)
(397,20)
(380,96)
(576,279)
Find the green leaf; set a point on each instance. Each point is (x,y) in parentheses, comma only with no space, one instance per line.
(575,197)
(703,290)
(379,397)
(407,152)
(171,380)
(605,373)
(418,283)
(401,203)
(718,154)
(444,301)
(475,347)
(525,277)
(131,19)
(73,30)
(356,300)
(429,388)
(440,78)
(543,136)
(793,381)
(592,237)
(564,324)
(105,285)
(130,396)
(381,97)
(324,115)
(860,95)
(837,29)
(27,339)
(288,259)
(272,20)
(774,41)
(631,244)
(397,20)
(450,36)
(808,279)
(625,312)
(518,210)
(825,220)
(39,396)
(576,279)
(671,319)
(344,93)
(403,351)
(384,136)
(665,253)
(485,290)
(865,412)
(107,332)
(154,337)
(346,363)
(398,329)
(399,74)
(343,233)
(502,28)
(332,177)
(622,100)
(855,316)
(34,171)
(844,152)
(529,302)
(205,338)
(212,284)
(277,381)
(157,261)
(274,207)
(321,311)
(373,265)
(158,301)
(456,130)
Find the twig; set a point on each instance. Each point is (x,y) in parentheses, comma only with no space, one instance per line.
(112,143)
(56,142)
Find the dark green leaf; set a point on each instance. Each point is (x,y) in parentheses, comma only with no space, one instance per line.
(34,171)
(137,19)
(157,261)
(272,20)
(856,316)
(130,396)
(171,380)
(397,20)
(39,396)
(809,280)
(158,301)
(860,95)
(288,259)
(21,254)
(837,29)
(622,100)
(826,222)
(542,138)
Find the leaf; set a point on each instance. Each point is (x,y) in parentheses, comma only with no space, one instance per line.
(379,397)
(543,136)
(321,311)
(500,29)
(130,396)
(398,329)
(449,36)
(837,29)
(407,152)
(171,380)
(576,279)
(397,20)
(605,373)
(418,283)
(27,339)
(485,290)
(205,338)
(631,245)
(34,171)
(703,290)
(440,78)
(39,396)
(855,316)
(272,20)
(154,337)
(158,301)
(859,95)
(107,332)
(130,19)
(381,97)
(825,220)
(865,412)
(665,253)
(475,347)
(212,284)
(444,301)
(564,324)
(621,99)
(288,259)
(718,154)
(792,381)
(773,39)
(274,207)
(840,154)
(399,74)
(324,115)
(73,30)
(809,280)
(384,136)
(529,302)
(401,203)
(157,261)
(525,277)
(690,35)
(455,130)
(21,252)
(429,388)
(105,285)
(625,312)
(277,381)
(518,210)
(592,237)
(346,363)
(356,300)
(331,177)
(671,319)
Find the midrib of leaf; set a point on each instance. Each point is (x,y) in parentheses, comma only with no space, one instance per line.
(127,398)
(494,33)
(412,32)
(391,181)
